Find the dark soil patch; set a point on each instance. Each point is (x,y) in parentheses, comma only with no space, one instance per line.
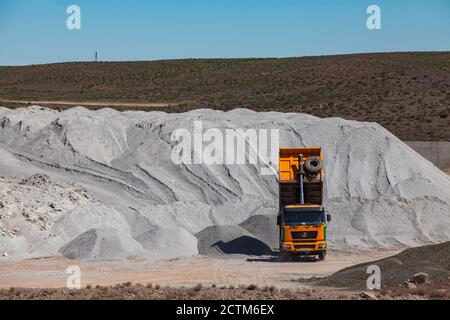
(129,291)
(395,270)
(408,93)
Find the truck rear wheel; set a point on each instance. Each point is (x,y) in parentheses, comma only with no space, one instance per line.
(322,255)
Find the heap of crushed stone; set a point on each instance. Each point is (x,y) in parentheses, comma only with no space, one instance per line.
(379,192)
(36,201)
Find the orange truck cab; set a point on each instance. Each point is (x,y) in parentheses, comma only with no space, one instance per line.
(302,218)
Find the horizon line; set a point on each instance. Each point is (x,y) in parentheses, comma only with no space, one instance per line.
(227,58)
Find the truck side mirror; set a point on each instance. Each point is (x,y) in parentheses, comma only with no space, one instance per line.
(328,217)
(278,220)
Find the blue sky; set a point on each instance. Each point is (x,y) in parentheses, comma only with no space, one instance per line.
(34,31)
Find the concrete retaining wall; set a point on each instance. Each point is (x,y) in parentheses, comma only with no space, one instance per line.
(436,152)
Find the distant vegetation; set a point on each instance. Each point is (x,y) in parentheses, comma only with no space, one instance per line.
(408,93)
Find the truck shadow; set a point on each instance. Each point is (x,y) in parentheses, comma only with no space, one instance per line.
(245,245)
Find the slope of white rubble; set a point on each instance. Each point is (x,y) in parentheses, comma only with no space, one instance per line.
(101,185)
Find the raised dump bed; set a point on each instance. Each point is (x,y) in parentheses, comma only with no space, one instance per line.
(289,176)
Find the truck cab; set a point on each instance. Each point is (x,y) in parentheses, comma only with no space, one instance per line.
(303,230)
(302,219)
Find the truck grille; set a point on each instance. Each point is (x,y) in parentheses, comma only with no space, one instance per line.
(304,234)
(305,246)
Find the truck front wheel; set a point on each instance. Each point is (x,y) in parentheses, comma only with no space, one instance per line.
(322,255)
(286,256)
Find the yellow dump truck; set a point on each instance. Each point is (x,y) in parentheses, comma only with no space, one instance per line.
(302,218)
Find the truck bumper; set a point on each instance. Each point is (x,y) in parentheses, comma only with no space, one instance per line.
(304,248)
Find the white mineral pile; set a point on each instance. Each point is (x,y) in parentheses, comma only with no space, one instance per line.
(102,185)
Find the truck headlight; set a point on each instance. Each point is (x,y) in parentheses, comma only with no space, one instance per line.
(322,246)
(286,246)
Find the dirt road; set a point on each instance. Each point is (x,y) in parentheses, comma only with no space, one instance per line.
(89,103)
(50,272)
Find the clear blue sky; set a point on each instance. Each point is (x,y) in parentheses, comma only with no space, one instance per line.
(34,31)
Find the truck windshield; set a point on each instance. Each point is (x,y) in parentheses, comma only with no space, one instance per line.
(301,216)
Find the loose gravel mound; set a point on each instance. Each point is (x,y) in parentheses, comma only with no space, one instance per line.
(432,259)
(108,170)
(101,243)
(264,227)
